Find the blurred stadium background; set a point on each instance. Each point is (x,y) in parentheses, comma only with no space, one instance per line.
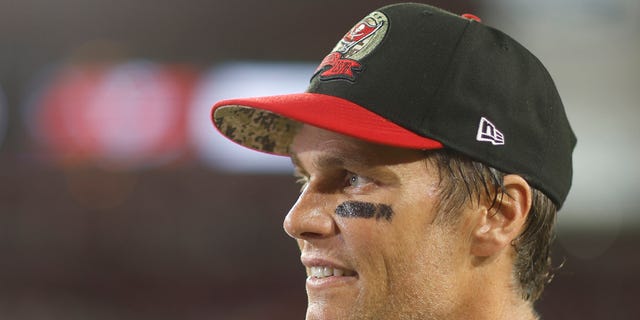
(118,201)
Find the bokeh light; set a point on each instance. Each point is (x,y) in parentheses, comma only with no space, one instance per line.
(123,115)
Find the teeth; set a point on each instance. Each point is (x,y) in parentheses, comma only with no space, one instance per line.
(323,272)
(327,271)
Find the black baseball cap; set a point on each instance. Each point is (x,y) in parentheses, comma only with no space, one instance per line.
(414,76)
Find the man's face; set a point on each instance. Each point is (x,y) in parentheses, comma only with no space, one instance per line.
(364,223)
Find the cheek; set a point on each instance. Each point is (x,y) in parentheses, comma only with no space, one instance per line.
(379,245)
(417,250)
(423,271)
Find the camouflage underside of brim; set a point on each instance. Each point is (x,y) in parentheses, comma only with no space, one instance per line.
(256,129)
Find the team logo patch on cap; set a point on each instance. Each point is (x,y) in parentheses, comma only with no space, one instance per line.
(344,60)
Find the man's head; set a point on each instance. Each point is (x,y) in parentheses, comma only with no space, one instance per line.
(379,217)
(434,152)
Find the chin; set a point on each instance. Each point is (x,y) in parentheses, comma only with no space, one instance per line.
(328,311)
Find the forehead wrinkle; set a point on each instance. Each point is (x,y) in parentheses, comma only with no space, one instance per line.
(350,151)
(335,153)
(339,159)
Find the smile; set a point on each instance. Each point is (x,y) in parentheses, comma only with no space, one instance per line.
(320,272)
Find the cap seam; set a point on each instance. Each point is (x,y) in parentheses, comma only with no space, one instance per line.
(436,95)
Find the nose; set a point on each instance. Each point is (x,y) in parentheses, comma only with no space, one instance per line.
(310,217)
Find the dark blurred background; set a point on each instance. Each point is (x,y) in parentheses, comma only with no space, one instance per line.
(119,201)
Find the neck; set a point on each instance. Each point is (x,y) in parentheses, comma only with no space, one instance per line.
(495,295)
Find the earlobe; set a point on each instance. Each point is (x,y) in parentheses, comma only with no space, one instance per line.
(496,227)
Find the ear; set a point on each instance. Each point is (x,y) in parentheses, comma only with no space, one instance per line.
(496,227)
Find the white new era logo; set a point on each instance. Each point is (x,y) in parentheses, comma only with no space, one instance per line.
(488,132)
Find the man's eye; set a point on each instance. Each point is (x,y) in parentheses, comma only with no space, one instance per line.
(356,181)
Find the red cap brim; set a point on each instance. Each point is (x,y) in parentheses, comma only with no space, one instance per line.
(326,112)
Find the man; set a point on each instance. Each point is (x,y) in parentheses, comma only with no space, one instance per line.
(434,152)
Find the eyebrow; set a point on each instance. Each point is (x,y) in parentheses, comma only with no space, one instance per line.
(331,161)
(325,161)
(359,163)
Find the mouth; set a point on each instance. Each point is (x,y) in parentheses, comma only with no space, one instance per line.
(321,272)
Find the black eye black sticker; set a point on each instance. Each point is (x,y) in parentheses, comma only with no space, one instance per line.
(367,210)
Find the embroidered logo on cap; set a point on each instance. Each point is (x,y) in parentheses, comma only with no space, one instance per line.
(489,133)
(344,60)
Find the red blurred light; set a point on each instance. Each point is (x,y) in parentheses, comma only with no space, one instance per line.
(127,115)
